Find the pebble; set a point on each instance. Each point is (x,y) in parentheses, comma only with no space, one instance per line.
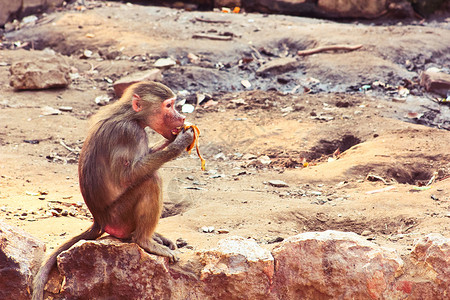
(187,108)
(223,231)
(278,183)
(164,63)
(65,108)
(72,212)
(265,160)
(207,229)
(278,239)
(366,233)
(249,156)
(181,243)
(315,193)
(245,83)
(102,100)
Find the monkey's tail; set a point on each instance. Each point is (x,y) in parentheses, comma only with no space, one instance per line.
(40,279)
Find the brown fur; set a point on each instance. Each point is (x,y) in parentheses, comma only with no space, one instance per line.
(118,172)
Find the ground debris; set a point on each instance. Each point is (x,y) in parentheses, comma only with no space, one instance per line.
(329,48)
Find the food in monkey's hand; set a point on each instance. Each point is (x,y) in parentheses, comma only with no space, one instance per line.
(194,142)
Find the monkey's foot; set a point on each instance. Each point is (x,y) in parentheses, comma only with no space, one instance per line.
(153,247)
(164,241)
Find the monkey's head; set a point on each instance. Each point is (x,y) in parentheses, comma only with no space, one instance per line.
(154,104)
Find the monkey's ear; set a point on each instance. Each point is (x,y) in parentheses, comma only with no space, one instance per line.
(136,103)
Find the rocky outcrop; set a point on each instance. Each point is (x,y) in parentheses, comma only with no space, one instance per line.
(311,265)
(314,265)
(20,256)
(43,72)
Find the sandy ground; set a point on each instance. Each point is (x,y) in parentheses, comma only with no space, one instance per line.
(294,129)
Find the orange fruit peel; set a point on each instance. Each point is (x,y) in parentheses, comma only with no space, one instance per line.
(195,143)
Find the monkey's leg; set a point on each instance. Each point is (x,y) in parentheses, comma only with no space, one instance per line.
(160,239)
(148,211)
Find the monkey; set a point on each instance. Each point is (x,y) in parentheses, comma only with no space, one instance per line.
(118,171)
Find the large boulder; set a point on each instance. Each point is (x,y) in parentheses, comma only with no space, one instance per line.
(20,257)
(334,265)
(43,72)
(237,268)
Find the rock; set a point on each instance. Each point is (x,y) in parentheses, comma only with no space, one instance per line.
(9,9)
(278,66)
(50,71)
(125,268)
(435,81)
(187,108)
(149,75)
(237,269)
(431,258)
(13,9)
(49,111)
(312,265)
(227,3)
(20,256)
(278,183)
(249,156)
(352,9)
(102,100)
(207,229)
(164,63)
(265,160)
(331,265)
(293,7)
(246,84)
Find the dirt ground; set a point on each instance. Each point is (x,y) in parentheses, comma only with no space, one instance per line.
(317,128)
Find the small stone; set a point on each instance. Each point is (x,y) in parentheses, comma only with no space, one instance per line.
(265,160)
(102,100)
(223,231)
(278,239)
(187,108)
(238,101)
(50,111)
(249,156)
(207,229)
(366,233)
(163,63)
(72,212)
(315,193)
(181,243)
(278,183)
(54,213)
(65,108)
(245,83)
(87,54)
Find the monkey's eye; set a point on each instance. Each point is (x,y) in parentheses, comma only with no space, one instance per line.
(169,105)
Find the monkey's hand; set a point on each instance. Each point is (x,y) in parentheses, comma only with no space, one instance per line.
(183,139)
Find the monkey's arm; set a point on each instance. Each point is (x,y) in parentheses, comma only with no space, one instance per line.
(150,163)
(158,146)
